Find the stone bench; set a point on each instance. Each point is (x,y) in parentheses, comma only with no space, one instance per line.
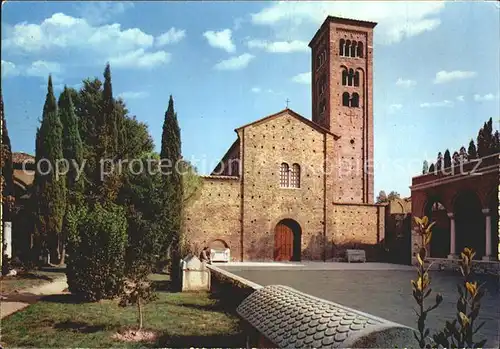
(281,317)
(355,256)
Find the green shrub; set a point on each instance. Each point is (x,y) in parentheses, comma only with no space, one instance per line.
(97,238)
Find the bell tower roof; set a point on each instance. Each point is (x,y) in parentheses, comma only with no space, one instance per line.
(344,21)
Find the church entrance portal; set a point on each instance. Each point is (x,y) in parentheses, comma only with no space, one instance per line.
(287,236)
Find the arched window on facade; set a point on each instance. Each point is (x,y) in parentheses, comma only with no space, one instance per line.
(353,49)
(284,175)
(355,100)
(360,49)
(347,48)
(345,99)
(350,77)
(356,78)
(341,47)
(295,178)
(344,77)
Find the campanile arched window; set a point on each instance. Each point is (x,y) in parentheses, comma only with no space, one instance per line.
(341,47)
(344,77)
(347,49)
(353,49)
(360,50)
(355,100)
(345,99)
(356,78)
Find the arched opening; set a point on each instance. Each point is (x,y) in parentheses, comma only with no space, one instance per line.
(218,244)
(341,47)
(355,100)
(287,241)
(360,49)
(345,99)
(284,175)
(469,223)
(440,241)
(356,79)
(295,178)
(350,77)
(347,49)
(353,49)
(344,77)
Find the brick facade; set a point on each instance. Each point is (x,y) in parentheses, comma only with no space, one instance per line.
(334,204)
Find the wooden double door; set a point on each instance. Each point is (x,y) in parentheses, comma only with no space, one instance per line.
(286,242)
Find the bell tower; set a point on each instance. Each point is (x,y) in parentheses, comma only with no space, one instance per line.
(342,102)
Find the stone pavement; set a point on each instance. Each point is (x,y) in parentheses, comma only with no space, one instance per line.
(381,292)
(15,302)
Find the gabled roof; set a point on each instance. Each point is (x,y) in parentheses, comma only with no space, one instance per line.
(290,112)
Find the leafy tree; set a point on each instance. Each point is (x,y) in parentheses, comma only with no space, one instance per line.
(447,159)
(97,242)
(472,152)
(50,188)
(6,184)
(382,197)
(393,195)
(425,168)
(172,186)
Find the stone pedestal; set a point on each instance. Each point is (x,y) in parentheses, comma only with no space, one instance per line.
(453,254)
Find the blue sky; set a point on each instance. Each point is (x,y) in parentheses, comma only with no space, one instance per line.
(436,70)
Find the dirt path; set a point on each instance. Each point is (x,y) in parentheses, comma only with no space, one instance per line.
(14,302)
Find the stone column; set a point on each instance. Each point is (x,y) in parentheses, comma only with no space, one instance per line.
(452,254)
(487,254)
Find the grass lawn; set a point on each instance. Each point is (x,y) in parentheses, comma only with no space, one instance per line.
(12,284)
(180,319)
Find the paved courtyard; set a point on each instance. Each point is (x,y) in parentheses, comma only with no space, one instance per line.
(380,289)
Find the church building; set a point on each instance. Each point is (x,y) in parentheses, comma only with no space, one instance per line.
(290,188)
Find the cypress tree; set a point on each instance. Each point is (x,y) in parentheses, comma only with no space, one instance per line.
(50,187)
(431,168)
(110,115)
(7,186)
(172,187)
(482,147)
(496,142)
(472,151)
(447,159)
(71,141)
(425,168)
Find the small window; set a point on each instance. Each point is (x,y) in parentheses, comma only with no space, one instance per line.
(353,49)
(295,178)
(341,47)
(360,49)
(344,77)
(356,78)
(345,99)
(284,175)
(355,100)
(350,77)
(347,49)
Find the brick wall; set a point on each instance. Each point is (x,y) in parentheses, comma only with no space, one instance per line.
(215,214)
(265,146)
(355,226)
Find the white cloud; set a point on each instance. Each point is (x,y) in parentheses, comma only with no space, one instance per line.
(220,39)
(485,98)
(397,20)
(98,12)
(302,78)
(42,69)
(443,76)
(140,59)
(235,63)
(133,94)
(9,69)
(405,83)
(460,98)
(395,107)
(172,36)
(279,46)
(256,89)
(445,103)
(85,43)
